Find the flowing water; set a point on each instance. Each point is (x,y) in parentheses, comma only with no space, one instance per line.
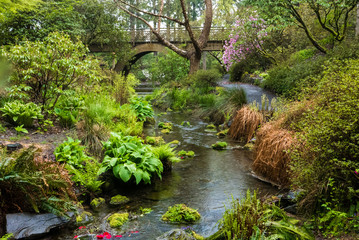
(205,182)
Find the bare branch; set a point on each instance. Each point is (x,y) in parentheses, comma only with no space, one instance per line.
(156,33)
(150,13)
(188,27)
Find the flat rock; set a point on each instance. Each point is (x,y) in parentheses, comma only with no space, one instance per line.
(29,226)
(176,234)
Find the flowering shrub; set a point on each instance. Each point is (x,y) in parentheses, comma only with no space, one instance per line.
(247,36)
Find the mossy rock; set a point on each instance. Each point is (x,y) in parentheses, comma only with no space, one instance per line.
(249,146)
(96,203)
(190,154)
(84,218)
(119,200)
(165,131)
(219,145)
(174,143)
(180,213)
(116,220)
(155,141)
(223,133)
(211,126)
(165,125)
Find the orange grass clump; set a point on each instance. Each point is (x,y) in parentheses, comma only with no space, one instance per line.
(245,123)
(272,158)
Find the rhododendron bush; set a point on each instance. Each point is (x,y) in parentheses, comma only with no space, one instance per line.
(247,36)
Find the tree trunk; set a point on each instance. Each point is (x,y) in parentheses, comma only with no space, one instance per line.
(194,62)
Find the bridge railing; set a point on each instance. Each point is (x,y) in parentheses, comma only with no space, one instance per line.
(175,35)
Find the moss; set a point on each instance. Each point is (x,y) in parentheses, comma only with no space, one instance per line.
(181,213)
(249,146)
(119,199)
(165,131)
(219,145)
(155,140)
(116,220)
(197,236)
(190,154)
(165,125)
(97,202)
(174,142)
(223,133)
(84,217)
(185,123)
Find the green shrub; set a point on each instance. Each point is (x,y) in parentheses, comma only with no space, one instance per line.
(165,153)
(142,109)
(51,66)
(126,121)
(325,160)
(302,55)
(180,213)
(205,78)
(72,153)
(18,113)
(129,158)
(68,108)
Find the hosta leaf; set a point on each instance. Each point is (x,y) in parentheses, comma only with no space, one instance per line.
(131,167)
(138,175)
(146,177)
(113,161)
(125,174)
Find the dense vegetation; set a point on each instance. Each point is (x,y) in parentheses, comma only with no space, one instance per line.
(306,141)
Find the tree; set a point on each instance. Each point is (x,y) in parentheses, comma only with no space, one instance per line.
(332,16)
(197,44)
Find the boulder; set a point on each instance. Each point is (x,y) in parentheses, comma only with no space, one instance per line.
(176,234)
(13,146)
(28,225)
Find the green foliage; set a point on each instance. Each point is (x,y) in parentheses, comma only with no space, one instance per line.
(20,129)
(145,210)
(180,213)
(250,218)
(205,78)
(165,153)
(83,168)
(155,141)
(51,66)
(123,87)
(116,220)
(18,113)
(169,67)
(71,152)
(142,108)
(325,161)
(334,223)
(302,55)
(68,108)
(7,236)
(165,125)
(18,92)
(34,184)
(97,202)
(128,158)
(2,128)
(127,122)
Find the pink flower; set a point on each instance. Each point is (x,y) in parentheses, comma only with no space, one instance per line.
(81,227)
(76,236)
(118,236)
(356,172)
(100,236)
(136,232)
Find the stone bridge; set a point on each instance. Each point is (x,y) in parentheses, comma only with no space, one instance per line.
(144,41)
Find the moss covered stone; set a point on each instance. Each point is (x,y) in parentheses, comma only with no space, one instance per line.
(165,131)
(97,203)
(211,128)
(84,217)
(222,134)
(116,220)
(219,145)
(165,125)
(190,154)
(154,140)
(180,213)
(119,199)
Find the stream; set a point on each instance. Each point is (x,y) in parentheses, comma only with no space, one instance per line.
(205,182)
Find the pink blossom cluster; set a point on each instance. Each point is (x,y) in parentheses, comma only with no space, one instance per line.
(246,36)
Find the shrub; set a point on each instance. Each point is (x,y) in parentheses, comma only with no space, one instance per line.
(325,161)
(126,121)
(51,66)
(205,78)
(18,113)
(180,213)
(128,158)
(166,155)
